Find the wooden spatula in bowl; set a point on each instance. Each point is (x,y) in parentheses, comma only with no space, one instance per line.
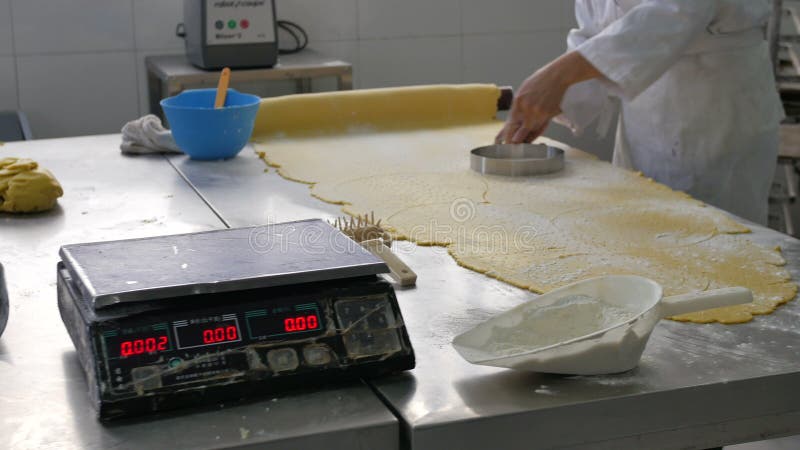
(222,88)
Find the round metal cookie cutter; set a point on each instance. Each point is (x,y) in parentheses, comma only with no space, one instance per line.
(517,160)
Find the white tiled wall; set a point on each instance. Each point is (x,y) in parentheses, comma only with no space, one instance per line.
(47,27)
(8,81)
(58,95)
(6,34)
(386,19)
(506,59)
(77,66)
(509,16)
(326,20)
(154,24)
(395,62)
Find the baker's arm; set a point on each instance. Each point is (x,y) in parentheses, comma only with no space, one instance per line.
(587,101)
(628,55)
(635,50)
(559,86)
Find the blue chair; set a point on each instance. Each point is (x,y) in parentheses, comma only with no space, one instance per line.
(14,126)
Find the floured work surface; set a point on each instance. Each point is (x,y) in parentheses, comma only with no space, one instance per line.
(539,233)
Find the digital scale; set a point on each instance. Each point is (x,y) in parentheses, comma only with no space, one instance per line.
(171,321)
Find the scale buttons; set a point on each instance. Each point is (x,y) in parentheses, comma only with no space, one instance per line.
(317,355)
(282,359)
(362,314)
(370,324)
(146,377)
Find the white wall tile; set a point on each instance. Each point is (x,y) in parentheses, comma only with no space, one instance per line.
(141,78)
(8,84)
(569,14)
(346,51)
(47,26)
(323,20)
(6,42)
(400,62)
(508,59)
(408,18)
(155,22)
(91,94)
(506,16)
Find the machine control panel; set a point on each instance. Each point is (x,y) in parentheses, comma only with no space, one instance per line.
(239,22)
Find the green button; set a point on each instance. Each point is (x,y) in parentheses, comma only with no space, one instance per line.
(175,362)
(231,24)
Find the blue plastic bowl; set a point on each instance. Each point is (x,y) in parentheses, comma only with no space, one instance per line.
(207,133)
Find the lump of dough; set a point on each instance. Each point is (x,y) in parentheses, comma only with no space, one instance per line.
(24,187)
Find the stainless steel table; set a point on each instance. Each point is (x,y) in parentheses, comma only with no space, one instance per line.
(698,386)
(168,75)
(43,394)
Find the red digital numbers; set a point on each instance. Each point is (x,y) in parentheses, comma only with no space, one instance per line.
(220,334)
(300,323)
(145,345)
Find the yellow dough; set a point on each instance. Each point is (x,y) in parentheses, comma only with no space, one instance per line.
(336,112)
(404,154)
(25,188)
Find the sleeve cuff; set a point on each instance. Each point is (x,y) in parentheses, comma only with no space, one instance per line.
(618,79)
(583,103)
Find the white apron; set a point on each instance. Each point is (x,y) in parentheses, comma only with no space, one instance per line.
(700,112)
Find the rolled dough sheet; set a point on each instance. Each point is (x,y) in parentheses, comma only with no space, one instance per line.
(403,153)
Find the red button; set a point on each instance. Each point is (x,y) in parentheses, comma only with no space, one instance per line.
(244,23)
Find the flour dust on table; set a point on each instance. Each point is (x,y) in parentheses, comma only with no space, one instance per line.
(403,154)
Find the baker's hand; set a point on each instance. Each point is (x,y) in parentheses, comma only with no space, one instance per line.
(539,97)
(537,101)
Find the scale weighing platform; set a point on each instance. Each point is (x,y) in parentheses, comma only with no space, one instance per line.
(166,322)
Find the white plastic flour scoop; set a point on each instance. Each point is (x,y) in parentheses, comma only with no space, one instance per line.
(592,327)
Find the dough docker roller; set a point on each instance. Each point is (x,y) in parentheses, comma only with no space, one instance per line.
(517,160)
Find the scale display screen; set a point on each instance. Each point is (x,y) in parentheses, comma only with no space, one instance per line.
(207,331)
(133,342)
(283,320)
(259,324)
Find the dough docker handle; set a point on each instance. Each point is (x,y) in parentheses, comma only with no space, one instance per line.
(400,272)
(701,301)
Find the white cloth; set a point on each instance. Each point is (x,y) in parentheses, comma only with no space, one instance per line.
(146,135)
(700,111)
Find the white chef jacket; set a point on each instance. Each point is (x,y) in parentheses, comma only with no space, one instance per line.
(699,108)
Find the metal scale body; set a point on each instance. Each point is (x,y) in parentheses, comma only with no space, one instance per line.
(172,321)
